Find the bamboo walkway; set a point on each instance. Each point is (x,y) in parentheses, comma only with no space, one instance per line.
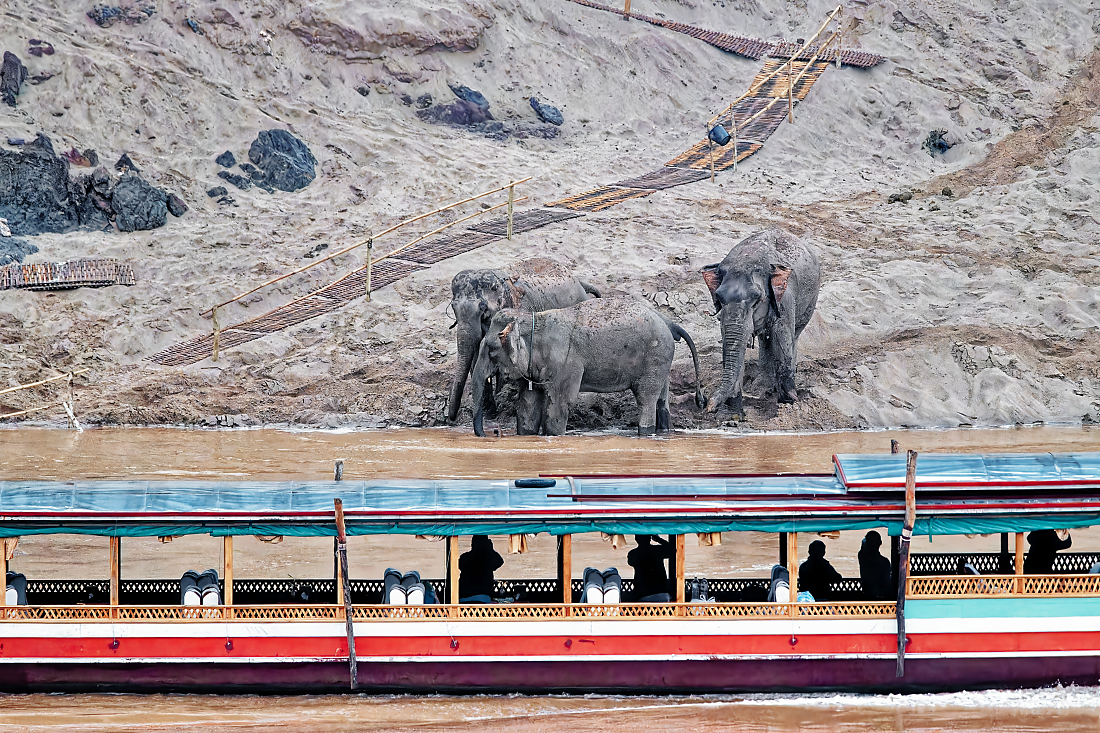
(757,114)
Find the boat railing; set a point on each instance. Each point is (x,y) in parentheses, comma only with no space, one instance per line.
(947,563)
(502,611)
(979,586)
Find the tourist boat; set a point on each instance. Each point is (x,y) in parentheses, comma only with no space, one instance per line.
(1000,628)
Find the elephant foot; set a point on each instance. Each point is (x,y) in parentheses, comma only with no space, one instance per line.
(664,420)
(650,430)
(788,397)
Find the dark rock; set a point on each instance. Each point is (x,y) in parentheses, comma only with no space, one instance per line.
(363,90)
(935,143)
(239,181)
(424,101)
(138,205)
(460,113)
(547,113)
(406,100)
(14,249)
(35,194)
(286,162)
(947,192)
(39,78)
(12,75)
(40,48)
(125,164)
(217,191)
(469,95)
(226,160)
(41,142)
(176,206)
(91,156)
(253,172)
(101,181)
(901,197)
(16,141)
(194,27)
(106,16)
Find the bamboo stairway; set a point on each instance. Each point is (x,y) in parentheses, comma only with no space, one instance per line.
(757,114)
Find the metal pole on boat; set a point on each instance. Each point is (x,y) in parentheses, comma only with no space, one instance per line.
(903,558)
(349,614)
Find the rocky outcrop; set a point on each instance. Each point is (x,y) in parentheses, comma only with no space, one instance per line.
(375,30)
(14,249)
(286,162)
(138,205)
(12,75)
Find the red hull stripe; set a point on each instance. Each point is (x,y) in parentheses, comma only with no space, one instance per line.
(519,648)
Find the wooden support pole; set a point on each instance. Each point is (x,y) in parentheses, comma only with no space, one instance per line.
(1019,562)
(733,124)
(626,9)
(227,572)
(790,90)
(680,591)
(903,555)
(349,613)
(370,249)
(511,202)
(565,568)
(792,570)
(217,330)
(452,574)
(116,568)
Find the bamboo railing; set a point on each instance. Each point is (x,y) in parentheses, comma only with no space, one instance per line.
(510,187)
(67,404)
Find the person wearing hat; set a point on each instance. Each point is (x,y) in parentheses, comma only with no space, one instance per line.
(875,573)
(815,575)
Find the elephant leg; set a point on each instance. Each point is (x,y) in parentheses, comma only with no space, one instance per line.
(768,365)
(647,409)
(528,410)
(491,397)
(783,353)
(664,417)
(560,396)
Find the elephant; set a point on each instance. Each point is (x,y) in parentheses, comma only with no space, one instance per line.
(606,345)
(477,295)
(766,288)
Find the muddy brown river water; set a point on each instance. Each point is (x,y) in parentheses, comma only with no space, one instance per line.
(157,453)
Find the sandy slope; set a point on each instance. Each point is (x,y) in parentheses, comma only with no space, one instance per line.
(977,308)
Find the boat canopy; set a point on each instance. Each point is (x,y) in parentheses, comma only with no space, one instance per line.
(860,494)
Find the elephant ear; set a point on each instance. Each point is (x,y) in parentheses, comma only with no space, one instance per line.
(713,279)
(780,275)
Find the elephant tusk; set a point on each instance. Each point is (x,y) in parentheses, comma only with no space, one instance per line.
(452,325)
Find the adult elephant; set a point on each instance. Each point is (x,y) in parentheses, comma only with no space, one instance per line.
(608,345)
(766,287)
(477,295)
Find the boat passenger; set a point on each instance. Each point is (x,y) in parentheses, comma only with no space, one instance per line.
(1044,544)
(874,569)
(200,589)
(15,591)
(476,568)
(648,561)
(815,575)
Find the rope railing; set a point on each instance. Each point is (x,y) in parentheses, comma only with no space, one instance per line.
(369,242)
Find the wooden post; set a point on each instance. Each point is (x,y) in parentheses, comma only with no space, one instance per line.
(680,592)
(790,89)
(1019,562)
(4,575)
(217,329)
(511,201)
(839,43)
(349,613)
(903,556)
(370,250)
(792,570)
(452,574)
(227,573)
(626,9)
(895,446)
(733,124)
(338,472)
(565,569)
(116,565)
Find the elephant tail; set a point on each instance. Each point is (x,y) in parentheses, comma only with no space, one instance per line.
(590,288)
(678,333)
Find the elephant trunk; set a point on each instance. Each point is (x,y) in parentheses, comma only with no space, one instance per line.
(469,336)
(736,327)
(481,373)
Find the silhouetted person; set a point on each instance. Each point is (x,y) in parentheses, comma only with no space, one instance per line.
(648,561)
(874,570)
(475,568)
(816,574)
(1044,545)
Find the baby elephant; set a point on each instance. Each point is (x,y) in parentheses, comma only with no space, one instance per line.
(605,345)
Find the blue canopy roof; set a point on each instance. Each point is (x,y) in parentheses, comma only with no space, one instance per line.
(969,472)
